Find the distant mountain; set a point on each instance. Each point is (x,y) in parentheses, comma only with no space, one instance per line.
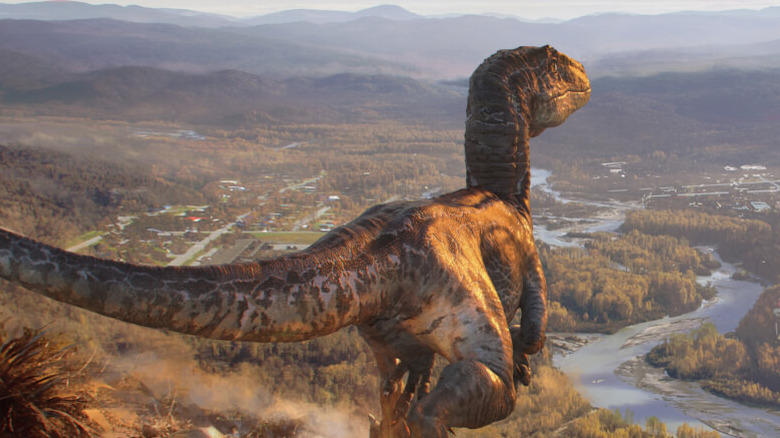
(698,115)
(389,12)
(73,10)
(756,56)
(454,46)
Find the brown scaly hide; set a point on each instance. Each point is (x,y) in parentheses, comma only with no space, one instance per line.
(442,276)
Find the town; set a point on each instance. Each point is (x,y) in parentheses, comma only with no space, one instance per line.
(748,188)
(252,220)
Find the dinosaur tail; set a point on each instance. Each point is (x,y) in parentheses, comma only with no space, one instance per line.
(282,300)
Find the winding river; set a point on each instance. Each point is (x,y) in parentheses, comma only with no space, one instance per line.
(610,372)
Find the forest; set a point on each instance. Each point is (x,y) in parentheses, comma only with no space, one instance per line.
(615,281)
(362,164)
(53,195)
(753,242)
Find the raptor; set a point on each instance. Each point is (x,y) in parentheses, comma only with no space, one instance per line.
(443,276)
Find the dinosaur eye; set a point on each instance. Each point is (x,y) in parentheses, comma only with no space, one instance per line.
(554,67)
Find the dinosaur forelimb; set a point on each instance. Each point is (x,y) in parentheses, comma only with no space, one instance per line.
(522,369)
(533,305)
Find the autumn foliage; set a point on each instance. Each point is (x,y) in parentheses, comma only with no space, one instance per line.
(616,280)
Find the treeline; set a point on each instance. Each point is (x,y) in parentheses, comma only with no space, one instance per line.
(754,242)
(605,423)
(616,281)
(701,354)
(699,227)
(744,367)
(640,253)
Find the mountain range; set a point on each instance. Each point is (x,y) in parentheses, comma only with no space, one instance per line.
(74,10)
(720,71)
(379,40)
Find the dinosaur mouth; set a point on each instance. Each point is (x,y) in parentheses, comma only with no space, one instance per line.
(569,93)
(553,109)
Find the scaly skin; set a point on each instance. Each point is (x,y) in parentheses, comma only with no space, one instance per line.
(442,276)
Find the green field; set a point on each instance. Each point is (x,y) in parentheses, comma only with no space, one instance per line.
(297,237)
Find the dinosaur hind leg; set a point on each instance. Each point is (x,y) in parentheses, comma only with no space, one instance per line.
(468,394)
(476,388)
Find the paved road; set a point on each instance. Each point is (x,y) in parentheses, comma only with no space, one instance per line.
(302,183)
(310,218)
(200,246)
(85,244)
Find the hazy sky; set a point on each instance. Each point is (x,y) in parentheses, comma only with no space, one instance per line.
(522,8)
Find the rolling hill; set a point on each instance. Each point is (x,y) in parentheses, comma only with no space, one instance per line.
(84,45)
(228,96)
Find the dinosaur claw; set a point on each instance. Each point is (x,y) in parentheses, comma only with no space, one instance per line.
(382,429)
(525,375)
(374,427)
(522,372)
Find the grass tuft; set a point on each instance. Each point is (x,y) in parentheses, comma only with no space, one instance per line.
(34,401)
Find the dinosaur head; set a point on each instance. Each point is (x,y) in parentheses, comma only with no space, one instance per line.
(562,87)
(515,95)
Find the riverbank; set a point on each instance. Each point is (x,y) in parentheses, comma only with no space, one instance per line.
(568,343)
(712,410)
(610,370)
(658,333)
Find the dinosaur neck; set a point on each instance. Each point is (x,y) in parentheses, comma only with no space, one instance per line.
(498,128)
(286,299)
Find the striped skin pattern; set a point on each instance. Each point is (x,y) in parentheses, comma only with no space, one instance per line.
(442,276)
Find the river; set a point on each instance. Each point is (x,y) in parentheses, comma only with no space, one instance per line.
(610,371)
